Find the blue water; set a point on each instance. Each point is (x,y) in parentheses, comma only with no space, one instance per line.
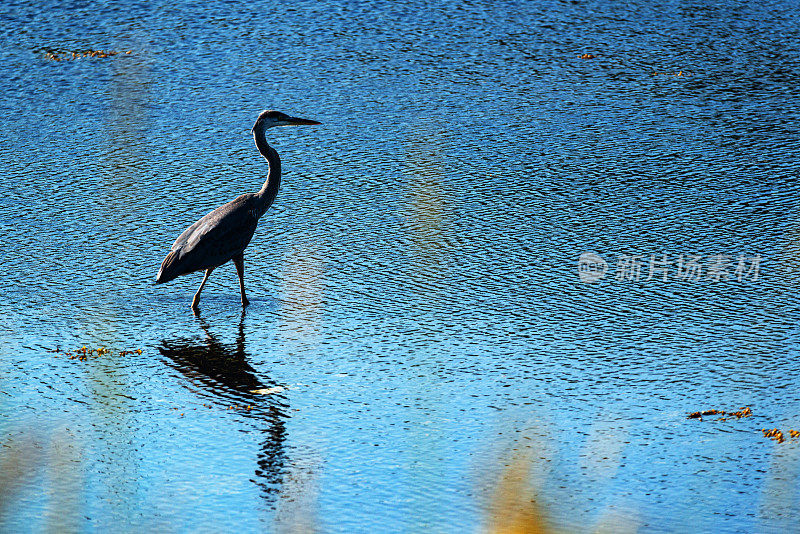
(418,319)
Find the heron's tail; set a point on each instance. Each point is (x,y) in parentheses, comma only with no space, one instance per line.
(169,269)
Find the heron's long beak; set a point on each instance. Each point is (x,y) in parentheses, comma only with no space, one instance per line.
(298,121)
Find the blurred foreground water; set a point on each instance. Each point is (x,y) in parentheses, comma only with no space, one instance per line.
(419,321)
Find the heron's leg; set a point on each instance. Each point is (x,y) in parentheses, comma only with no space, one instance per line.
(196,299)
(239,262)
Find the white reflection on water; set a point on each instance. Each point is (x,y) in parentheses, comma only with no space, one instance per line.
(297,509)
(603,450)
(66,482)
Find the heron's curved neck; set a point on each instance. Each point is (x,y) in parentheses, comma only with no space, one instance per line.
(266,195)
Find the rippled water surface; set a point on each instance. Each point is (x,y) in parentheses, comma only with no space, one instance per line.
(418,319)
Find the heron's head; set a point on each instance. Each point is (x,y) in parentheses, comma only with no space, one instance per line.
(271,118)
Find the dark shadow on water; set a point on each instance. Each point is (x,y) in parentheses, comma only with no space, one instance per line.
(221,373)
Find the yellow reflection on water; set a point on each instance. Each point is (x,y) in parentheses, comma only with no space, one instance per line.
(122,230)
(514,507)
(426,212)
(302,290)
(127,96)
(519,491)
(786,268)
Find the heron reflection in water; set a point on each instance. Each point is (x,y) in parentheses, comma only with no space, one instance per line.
(225,377)
(223,234)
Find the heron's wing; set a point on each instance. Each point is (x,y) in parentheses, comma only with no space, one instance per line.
(212,240)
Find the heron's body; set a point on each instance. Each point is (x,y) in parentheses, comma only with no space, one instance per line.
(224,234)
(213,240)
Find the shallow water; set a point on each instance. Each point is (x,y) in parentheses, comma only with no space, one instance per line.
(418,316)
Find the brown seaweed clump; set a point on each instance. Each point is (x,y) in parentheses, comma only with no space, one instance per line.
(777,435)
(60,54)
(773,434)
(740,413)
(82,354)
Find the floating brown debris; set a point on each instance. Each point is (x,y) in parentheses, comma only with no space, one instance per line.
(237,407)
(699,415)
(776,434)
(679,74)
(60,54)
(773,434)
(587,56)
(234,407)
(84,353)
(742,412)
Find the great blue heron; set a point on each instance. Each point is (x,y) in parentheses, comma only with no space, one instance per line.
(223,234)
